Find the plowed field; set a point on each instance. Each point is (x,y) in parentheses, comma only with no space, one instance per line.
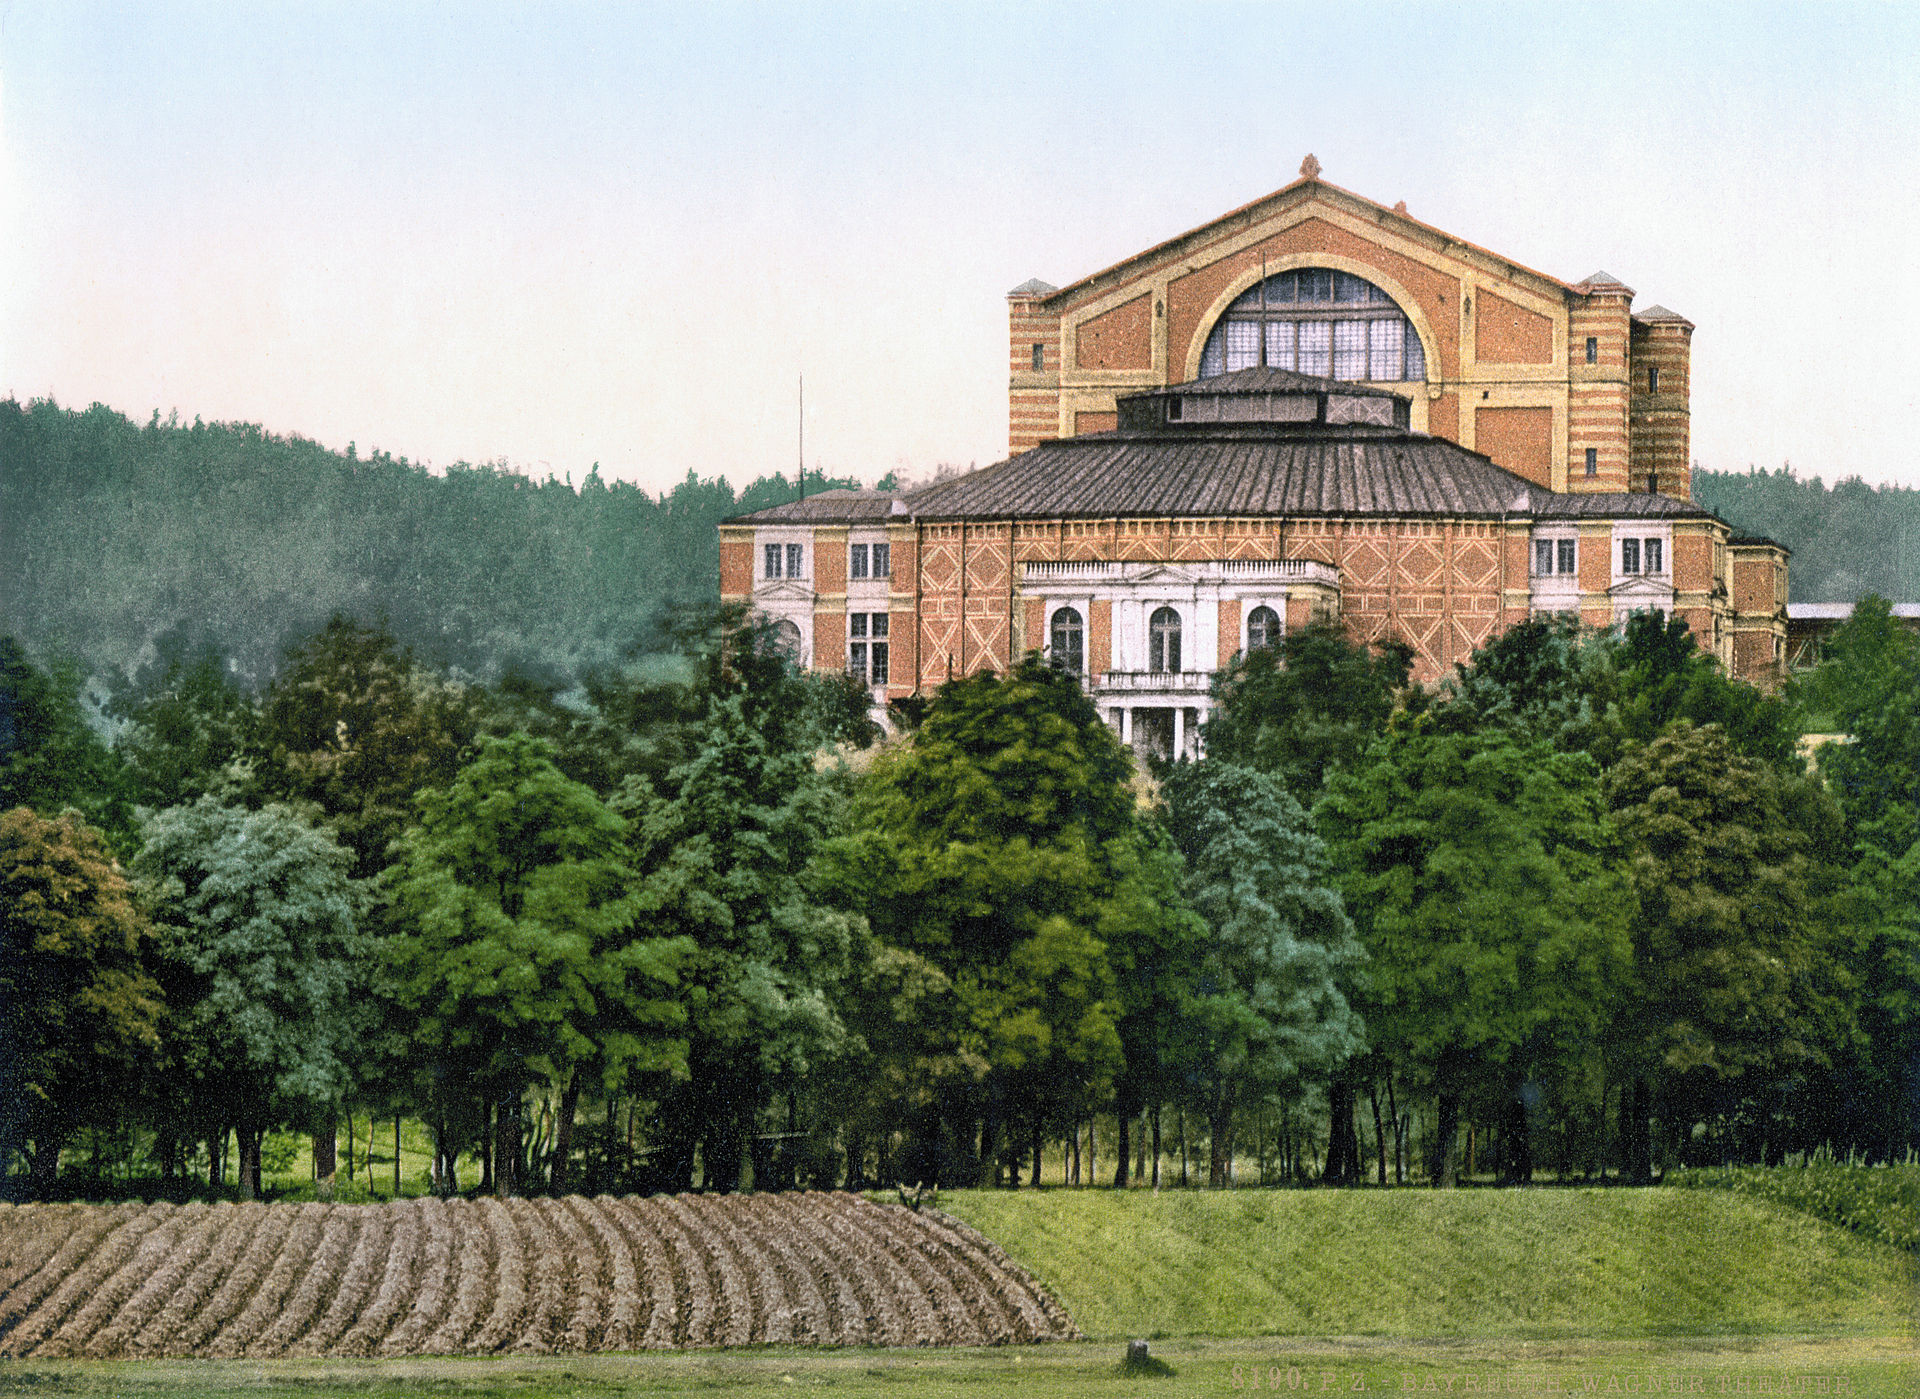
(450,1277)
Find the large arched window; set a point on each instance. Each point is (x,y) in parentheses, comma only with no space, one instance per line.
(1263,628)
(786,639)
(1067,646)
(1316,321)
(1163,640)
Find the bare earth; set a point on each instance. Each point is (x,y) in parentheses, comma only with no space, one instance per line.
(519,1277)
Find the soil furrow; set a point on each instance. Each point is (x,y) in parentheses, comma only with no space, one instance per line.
(957,1324)
(772,1307)
(84,1281)
(471,1295)
(376,1320)
(431,1278)
(586,1313)
(317,1284)
(95,1226)
(31,1234)
(290,1261)
(872,1316)
(235,1226)
(1002,1280)
(1000,1322)
(625,1305)
(510,1287)
(546,1272)
(1049,1320)
(357,1281)
(191,1233)
(816,1320)
(102,1300)
(679,1291)
(732,1318)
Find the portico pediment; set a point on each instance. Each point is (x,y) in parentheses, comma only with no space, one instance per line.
(785,590)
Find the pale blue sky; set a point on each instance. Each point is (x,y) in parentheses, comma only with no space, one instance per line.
(556,234)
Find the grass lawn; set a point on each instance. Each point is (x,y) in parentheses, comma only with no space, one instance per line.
(1487,1263)
(1785,1366)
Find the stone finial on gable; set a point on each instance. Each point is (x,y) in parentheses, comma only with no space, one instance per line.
(1309,168)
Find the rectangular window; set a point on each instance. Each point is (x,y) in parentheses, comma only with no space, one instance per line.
(867,647)
(1568,557)
(1629,556)
(1593,461)
(1316,348)
(1653,380)
(773,560)
(793,561)
(1543,557)
(1385,350)
(1243,345)
(1652,552)
(1593,349)
(883,561)
(1349,349)
(856,561)
(1280,344)
(1039,358)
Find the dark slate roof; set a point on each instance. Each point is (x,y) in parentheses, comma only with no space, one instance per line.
(1612,505)
(1033,286)
(829,507)
(1264,469)
(1265,381)
(1756,539)
(1231,469)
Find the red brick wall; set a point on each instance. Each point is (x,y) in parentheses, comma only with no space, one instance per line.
(1095,422)
(736,568)
(1121,339)
(1504,333)
(1229,629)
(1519,439)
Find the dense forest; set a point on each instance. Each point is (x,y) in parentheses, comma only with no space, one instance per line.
(120,534)
(1582,913)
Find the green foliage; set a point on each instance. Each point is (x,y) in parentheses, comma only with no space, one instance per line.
(1848,539)
(1264,1005)
(50,757)
(187,721)
(1869,682)
(1480,874)
(518,948)
(1735,977)
(354,726)
(1665,677)
(1876,1202)
(1307,707)
(79,1013)
(1541,680)
(121,533)
(259,923)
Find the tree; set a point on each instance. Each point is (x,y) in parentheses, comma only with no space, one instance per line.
(186,719)
(1664,676)
(1266,1006)
(50,757)
(79,1012)
(1868,684)
(1308,706)
(261,921)
(1734,977)
(518,946)
(357,727)
(1478,872)
(997,846)
(725,858)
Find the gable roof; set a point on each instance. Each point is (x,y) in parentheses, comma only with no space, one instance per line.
(1300,190)
(838,506)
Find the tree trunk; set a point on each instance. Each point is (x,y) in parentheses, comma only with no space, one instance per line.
(1636,1132)
(1440,1165)
(1075,1153)
(563,1135)
(1093,1149)
(326,1152)
(1123,1153)
(216,1176)
(1399,1136)
(1140,1147)
(487,1152)
(1519,1142)
(1379,1130)
(1035,1143)
(506,1147)
(1156,1146)
(1220,1139)
(43,1165)
(1183,1146)
(249,1163)
(1339,1168)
